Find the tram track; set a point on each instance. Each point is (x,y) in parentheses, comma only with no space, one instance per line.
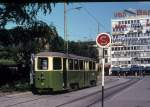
(12,97)
(96,96)
(29,98)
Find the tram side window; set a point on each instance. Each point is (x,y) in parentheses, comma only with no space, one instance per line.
(42,63)
(76,65)
(70,64)
(90,65)
(94,65)
(81,65)
(57,63)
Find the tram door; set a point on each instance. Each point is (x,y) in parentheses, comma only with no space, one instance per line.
(64,73)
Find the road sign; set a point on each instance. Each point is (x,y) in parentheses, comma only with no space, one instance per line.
(103,40)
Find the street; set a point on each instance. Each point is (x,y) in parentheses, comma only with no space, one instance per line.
(88,97)
(136,96)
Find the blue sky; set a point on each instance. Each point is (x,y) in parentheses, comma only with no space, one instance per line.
(80,25)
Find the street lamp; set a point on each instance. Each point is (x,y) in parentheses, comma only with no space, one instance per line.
(65,26)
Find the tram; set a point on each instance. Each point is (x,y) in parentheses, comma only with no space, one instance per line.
(54,71)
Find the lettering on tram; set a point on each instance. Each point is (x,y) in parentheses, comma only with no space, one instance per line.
(54,71)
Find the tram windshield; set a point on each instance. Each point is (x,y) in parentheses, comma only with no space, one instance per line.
(42,63)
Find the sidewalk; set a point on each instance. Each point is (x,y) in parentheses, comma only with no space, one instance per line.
(137,95)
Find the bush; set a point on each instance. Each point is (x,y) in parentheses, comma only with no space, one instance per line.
(20,86)
(7,62)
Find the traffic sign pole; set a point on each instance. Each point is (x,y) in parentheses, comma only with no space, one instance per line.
(103,40)
(103,66)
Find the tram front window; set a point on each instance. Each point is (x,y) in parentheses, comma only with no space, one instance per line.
(57,63)
(42,63)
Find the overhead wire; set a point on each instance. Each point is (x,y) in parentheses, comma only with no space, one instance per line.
(90,14)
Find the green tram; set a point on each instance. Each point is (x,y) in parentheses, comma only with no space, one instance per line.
(54,71)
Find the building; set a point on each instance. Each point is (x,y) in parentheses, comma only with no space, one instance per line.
(130,38)
(107,59)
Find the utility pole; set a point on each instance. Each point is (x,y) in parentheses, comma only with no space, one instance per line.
(65,30)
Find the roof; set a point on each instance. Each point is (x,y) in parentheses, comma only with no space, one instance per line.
(59,54)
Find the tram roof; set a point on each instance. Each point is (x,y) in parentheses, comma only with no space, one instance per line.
(59,54)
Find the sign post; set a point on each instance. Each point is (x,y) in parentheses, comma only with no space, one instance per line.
(103,41)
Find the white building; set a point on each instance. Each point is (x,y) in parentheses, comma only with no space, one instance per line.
(107,58)
(130,38)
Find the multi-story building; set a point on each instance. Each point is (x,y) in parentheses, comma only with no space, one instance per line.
(107,59)
(130,38)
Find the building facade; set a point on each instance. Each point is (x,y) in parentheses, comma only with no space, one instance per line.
(130,38)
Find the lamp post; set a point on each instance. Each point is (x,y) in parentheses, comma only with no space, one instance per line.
(65,26)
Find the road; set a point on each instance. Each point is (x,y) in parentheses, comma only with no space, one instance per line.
(136,96)
(89,97)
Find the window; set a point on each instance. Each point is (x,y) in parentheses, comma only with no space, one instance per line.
(128,21)
(134,47)
(76,65)
(106,60)
(128,48)
(105,52)
(112,49)
(94,64)
(70,62)
(57,63)
(125,48)
(90,65)
(81,65)
(134,21)
(119,22)
(42,63)
(129,62)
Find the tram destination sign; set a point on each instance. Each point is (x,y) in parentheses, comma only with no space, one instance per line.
(103,40)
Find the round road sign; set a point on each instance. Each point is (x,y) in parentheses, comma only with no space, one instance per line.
(103,40)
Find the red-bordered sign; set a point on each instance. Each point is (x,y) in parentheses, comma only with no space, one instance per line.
(103,40)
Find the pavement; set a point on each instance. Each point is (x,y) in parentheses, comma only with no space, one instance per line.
(138,95)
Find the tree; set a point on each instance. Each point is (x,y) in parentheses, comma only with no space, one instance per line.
(22,41)
(82,49)
(22,13)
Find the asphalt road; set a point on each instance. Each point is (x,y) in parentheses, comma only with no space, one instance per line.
(138,95)
(81,98)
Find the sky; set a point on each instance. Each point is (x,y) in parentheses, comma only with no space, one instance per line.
(80,25)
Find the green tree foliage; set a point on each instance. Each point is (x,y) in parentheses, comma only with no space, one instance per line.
(82,49)
(19,42)
(22,13)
